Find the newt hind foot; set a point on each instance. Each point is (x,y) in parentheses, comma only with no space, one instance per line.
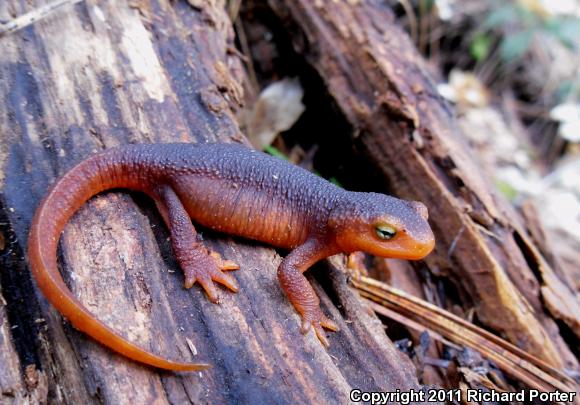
(207,267)
(314,318)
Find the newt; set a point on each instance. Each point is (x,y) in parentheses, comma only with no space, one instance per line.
(234,190)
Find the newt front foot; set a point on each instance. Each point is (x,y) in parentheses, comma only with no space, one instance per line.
(316,319)
(207,268)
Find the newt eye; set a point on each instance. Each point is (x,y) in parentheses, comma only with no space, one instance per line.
(385,232)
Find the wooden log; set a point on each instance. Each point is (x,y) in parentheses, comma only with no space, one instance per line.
(99,74)
(380,85)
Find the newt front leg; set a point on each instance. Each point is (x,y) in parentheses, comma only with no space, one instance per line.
(199,264)
(299,290)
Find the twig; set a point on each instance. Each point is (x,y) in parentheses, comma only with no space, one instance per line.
(33,16)
(455,240)
(532,371)
(424,24)
(408,322)
(234,9)
(412,19)
(239,26)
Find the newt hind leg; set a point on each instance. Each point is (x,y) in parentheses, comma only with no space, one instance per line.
(199,264)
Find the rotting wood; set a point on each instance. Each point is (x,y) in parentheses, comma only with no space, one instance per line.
(35,15)
(11,381)
(379,83)
(105,73)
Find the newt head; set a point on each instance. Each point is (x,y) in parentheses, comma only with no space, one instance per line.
(382,225)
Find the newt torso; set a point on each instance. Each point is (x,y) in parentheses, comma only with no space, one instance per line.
(238,191)
(251,194)
(233,189)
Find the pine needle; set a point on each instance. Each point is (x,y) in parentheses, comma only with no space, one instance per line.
(444,326)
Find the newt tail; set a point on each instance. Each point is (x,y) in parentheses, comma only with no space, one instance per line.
(90,177)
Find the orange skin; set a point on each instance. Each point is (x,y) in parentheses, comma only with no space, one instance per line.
(237,191)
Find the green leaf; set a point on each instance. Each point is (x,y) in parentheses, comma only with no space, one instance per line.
(565,89)
(479,47)
(515,46)
(500,16)
(335,181)
(427,4)
(275,152)
(506,189)
(566,30)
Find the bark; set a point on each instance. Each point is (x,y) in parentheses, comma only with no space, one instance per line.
(99,74)
(380,86)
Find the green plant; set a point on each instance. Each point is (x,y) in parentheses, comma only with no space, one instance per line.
(515,26)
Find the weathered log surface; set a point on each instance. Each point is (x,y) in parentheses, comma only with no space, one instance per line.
(101,74)
(379,83)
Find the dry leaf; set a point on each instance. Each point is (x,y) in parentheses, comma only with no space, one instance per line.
(278,107)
